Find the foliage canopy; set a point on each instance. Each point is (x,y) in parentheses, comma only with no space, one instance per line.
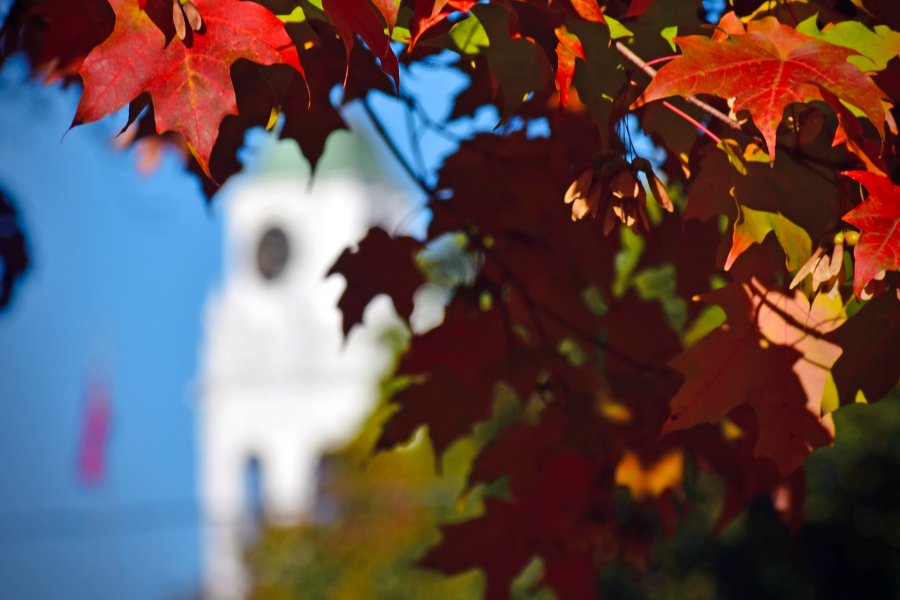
(701,313)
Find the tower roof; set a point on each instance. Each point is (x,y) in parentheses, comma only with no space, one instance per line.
(347,151)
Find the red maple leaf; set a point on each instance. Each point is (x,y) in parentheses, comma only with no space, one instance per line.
(878,218)
(736,366)
(458,391)
(764,70)
(567,50)
(56,34)
(869,362)
(360,17)
(588,10)
(380,265)
(189,81)
(389,9)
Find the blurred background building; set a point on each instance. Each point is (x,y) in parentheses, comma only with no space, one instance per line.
(279,384)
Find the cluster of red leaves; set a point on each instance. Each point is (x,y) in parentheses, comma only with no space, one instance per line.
(627,383)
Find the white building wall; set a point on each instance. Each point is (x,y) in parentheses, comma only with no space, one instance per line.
(279,383)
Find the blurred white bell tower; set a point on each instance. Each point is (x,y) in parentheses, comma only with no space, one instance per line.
(279,384)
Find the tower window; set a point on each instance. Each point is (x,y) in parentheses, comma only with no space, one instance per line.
(272,253)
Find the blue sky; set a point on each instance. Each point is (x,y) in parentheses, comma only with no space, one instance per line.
(121,267)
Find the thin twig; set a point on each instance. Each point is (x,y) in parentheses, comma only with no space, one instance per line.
(711,110)
(413,134)
(389,142)
(762,295)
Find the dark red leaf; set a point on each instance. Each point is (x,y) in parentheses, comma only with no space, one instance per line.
(379,265)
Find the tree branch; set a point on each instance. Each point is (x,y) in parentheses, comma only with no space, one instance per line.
(389,142)
(762,294)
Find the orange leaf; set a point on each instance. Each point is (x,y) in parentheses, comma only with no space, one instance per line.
(764,71)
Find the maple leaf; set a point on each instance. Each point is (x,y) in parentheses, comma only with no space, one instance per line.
(553,513)
(474,543)
(736,366)
(518,66)
(427,14)
(567,50)
(717,186)
(878,219)
(764,70)
(448,406)
(869,362)
(188,81)
(459,376)
(56,34)
(588,10)
(795,322)
(379,265)
(752,227)
(360,17)
(874,48)
(389,9)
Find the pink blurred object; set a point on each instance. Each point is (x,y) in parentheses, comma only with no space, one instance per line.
(94,431)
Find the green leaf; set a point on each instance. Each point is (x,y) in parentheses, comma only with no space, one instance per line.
(660,283)
(469,36)
(616,29)
(519,66)
(296,16)
(710,318)
(627,260)
(876,48)
(728,146)
(401,34)
(668,34)
(598,78)
(752,227)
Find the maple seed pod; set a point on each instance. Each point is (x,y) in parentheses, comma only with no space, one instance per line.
(656,186)
(578,193)
(877,285)
(178,20)
(613,190)
(184,16)
(826,269)
(624,185)
(807,267)
(628,201)
(596,195)
(193,16)
(609,217)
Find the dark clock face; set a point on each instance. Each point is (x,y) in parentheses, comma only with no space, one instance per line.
(272,253)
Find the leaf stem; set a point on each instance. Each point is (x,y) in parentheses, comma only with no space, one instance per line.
(661,59)
(692,120)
